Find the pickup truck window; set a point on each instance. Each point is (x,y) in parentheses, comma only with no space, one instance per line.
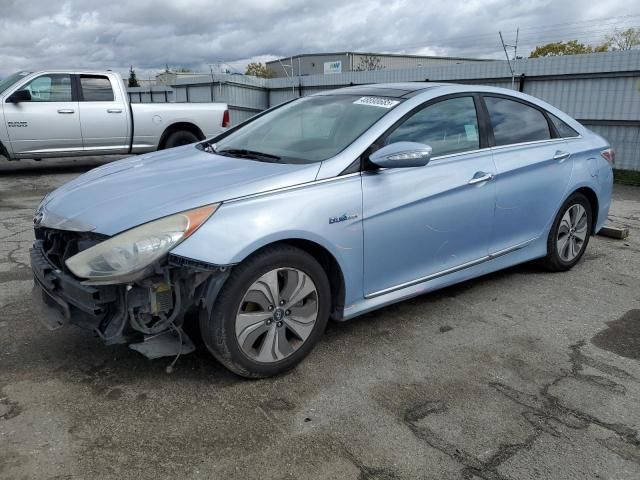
(5,83)
(52,87)
(96,88)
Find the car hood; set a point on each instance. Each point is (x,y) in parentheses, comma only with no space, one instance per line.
(129,192)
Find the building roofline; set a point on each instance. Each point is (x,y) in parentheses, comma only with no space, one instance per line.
(184,73)
(432,57)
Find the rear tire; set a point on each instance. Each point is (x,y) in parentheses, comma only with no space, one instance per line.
(569,235)
(256,335)
(179,138)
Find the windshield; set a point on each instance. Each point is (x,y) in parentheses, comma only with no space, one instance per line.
(307,130)
(11,79)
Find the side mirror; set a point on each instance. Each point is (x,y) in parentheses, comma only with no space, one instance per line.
(402,155)
(20,96)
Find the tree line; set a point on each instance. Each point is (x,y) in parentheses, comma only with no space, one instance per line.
(618,40)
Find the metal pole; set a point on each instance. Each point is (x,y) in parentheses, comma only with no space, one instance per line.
(515,57)
(213,97)
(508,60)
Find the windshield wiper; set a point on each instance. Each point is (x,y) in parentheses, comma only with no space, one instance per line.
(243,153)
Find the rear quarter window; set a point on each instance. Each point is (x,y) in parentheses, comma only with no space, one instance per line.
(564,130)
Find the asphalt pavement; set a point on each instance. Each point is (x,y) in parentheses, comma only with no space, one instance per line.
(521,374)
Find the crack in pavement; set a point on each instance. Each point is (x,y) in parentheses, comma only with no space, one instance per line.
(366,472)
(12,258)
(542,411)
(9,409)
(14,234)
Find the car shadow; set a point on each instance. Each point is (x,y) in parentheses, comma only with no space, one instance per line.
(382,317)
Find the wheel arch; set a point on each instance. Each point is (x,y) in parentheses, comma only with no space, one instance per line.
(179,126)
(593,202)
(329,264)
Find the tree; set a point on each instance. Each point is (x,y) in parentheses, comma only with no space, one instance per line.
(368,63)
(601,48)
(624,40)
(133,80)
(257,69)
(183,70)
(572,47)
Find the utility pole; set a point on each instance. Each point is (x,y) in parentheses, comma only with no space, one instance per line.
(515,55)
(293,85)
(213,97)
(286,72)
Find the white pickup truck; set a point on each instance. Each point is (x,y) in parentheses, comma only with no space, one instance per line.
(72,113)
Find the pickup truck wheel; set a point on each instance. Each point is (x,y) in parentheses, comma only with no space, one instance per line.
(179,138)
(269,315)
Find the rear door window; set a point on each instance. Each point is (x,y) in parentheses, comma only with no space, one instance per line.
(96,88)
(516,122)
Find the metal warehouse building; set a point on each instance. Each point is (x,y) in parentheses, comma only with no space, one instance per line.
(330,63)
(601,90)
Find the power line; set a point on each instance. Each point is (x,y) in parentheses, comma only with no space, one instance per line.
(593,37)
(533,35)
(599,20)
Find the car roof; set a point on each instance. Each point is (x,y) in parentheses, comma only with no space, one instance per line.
(396,90)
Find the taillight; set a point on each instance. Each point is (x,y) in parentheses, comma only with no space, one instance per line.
(609,155)
(225,119)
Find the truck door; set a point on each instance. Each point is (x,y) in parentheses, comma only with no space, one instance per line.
(103,115)
(49,123)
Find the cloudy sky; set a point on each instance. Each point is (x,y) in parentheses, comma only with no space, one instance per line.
(193,33)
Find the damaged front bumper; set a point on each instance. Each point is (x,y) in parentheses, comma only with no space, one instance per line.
(147,314)
(62,299)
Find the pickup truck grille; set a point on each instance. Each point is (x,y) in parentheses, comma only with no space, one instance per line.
(59,245)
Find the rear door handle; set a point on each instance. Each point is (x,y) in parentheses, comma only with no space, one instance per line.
(480,177)
(114,110)
(562,156)
(66,110)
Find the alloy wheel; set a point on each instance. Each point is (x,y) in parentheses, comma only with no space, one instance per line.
(276,315)
(572,232)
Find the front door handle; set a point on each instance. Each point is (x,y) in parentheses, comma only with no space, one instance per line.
(114,110)
(561,156)
(480,177)
(66,111)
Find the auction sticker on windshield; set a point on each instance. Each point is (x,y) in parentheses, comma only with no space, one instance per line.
(377,102)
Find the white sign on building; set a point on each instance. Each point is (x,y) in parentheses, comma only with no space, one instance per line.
(333,67)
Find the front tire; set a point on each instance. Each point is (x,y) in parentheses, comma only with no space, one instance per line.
(270,313)
(569,235)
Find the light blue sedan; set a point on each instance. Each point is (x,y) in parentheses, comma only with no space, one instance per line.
(327,206)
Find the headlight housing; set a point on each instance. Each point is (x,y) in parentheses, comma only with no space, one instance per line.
(123,257)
